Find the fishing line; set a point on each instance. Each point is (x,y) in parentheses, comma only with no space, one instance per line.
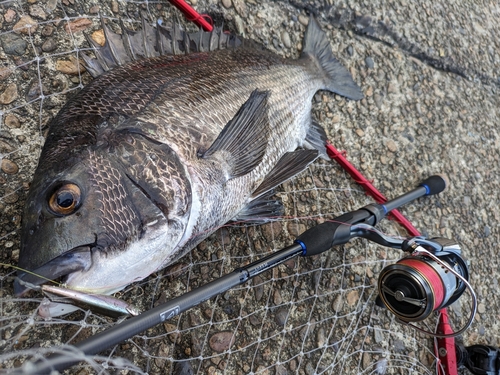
(31,273)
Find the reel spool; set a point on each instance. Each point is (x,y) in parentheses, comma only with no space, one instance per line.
(425,281)
(416,286)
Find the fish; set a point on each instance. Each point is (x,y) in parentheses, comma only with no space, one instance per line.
(177,134)
(107,305)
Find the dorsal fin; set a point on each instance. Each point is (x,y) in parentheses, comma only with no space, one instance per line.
(150,41)
(214,39)
(176,38)
(114,42)
(127,41)
(164,40)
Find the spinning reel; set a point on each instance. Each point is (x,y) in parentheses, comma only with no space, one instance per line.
(431,277)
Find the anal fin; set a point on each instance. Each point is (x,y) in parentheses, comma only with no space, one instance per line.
(261,210)
(288,166)
(316,139)
(243,141)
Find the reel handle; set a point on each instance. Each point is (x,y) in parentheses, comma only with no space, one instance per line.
(479,359)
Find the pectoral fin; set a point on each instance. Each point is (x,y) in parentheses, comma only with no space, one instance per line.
(243,141)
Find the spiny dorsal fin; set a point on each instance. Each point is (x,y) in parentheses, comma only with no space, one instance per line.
(164,40)
(150,41)
(243,141)
(127,41)
(115,44)
(214,39)
(93,66)
(176,38)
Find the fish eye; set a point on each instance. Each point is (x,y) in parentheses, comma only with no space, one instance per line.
(65,199)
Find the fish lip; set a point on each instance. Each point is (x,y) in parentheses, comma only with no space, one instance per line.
(77,259)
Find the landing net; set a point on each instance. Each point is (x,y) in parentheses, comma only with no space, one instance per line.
(309,316)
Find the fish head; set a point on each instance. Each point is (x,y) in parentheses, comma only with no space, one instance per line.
(104,219)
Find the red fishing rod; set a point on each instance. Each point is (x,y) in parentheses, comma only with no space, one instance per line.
(204,21)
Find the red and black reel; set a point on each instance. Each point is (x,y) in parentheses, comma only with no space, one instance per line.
(424,281)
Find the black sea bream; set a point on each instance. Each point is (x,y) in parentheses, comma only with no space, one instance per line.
(162,148)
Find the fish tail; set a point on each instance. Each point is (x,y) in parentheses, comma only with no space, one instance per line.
(337,77)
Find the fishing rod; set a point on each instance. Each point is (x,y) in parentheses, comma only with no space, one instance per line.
(201,20)
(401,290)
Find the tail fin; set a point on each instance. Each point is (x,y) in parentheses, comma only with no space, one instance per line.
(338,79)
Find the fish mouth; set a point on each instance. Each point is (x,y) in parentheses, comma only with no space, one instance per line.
(77,259)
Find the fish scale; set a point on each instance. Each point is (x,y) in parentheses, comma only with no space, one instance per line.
(151,164)
(158,152)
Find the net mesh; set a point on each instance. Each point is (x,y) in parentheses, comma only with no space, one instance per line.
(309,316)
